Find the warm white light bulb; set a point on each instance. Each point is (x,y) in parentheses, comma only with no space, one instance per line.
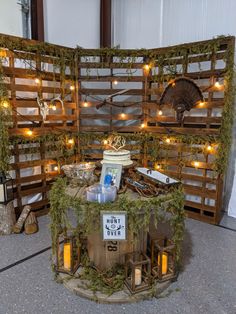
(115,82)
(5,104)
(168,140)
(72,87)
(85,104)
(142,125)
(71,141)
(29,132)
(54,107)
(105,142)
(160,112)
(122,115)
(196,164)
(37,80)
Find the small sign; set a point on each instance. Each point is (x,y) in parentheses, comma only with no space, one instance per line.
(114,225)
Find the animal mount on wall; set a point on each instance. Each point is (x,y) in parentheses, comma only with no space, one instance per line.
(44,106)
(182,94)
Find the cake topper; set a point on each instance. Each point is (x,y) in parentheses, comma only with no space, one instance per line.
(116,142)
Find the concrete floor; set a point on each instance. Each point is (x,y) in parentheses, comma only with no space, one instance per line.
(206,285)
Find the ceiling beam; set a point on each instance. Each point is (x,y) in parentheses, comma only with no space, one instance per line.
(105,23)
(37,20)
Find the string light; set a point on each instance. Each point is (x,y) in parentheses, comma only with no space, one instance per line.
(85,104)
(143,125)
(72,87)
(157,166)
(160,113)
(122,115)
(71,141)
(217,83)
(196,164)
(29,132)
(54,107)
(115,82)
(201,103)
(5,103)
(105,142)
(37,80)
(168,141)
(146,67)
(209,148)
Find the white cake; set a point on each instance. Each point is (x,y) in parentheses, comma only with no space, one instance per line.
(117,157)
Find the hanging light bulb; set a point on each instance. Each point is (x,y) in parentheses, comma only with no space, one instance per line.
(196,164)
(71,141)
(168,140)
(29,132)
(72,87)
(122,114)
(105,142)
(217,83)
(143,125)
(54,107)
(146,67)
(209,148)
(37,80)
(157,166)
(160,113)
(115,82)
(5,103)
(201,103)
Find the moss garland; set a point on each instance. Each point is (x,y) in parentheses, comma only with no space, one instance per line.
(88,213)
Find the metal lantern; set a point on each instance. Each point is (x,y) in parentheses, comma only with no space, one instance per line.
(6,188)
(163,259)
(68,254)
(137,272)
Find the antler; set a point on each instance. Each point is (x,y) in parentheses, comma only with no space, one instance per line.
(44,108)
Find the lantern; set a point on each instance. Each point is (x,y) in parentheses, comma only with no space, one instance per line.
(163,259)
(137,272)
(6,188)
(67,254)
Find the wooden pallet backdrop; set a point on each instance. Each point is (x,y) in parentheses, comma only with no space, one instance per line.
(89,108)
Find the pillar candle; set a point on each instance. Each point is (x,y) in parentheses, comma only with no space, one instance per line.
(137,276)
(164,262)
(67,256)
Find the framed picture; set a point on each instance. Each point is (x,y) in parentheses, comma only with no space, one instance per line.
(114,225)
(111,174)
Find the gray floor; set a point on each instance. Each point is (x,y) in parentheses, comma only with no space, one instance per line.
(206,285)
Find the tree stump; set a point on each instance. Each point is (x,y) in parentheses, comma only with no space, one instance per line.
(7,218)
(31,224)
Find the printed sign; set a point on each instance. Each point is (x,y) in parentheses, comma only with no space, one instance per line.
(113,226)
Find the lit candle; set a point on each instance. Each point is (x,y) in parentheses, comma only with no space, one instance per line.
(164,267)
(137,276)
(67,256)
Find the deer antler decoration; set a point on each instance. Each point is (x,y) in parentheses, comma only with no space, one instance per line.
(44,106)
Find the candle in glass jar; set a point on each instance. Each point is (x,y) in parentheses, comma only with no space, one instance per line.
(164,262)
(67,256)
(137,276)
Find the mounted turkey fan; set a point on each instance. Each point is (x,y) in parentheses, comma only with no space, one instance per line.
(182,94)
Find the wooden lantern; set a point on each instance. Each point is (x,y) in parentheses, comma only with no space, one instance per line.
(6,188)
(163,259)
(67,254)
(137,272)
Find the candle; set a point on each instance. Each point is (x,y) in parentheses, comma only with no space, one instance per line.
(67,256)
(137,276)
(164,262)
